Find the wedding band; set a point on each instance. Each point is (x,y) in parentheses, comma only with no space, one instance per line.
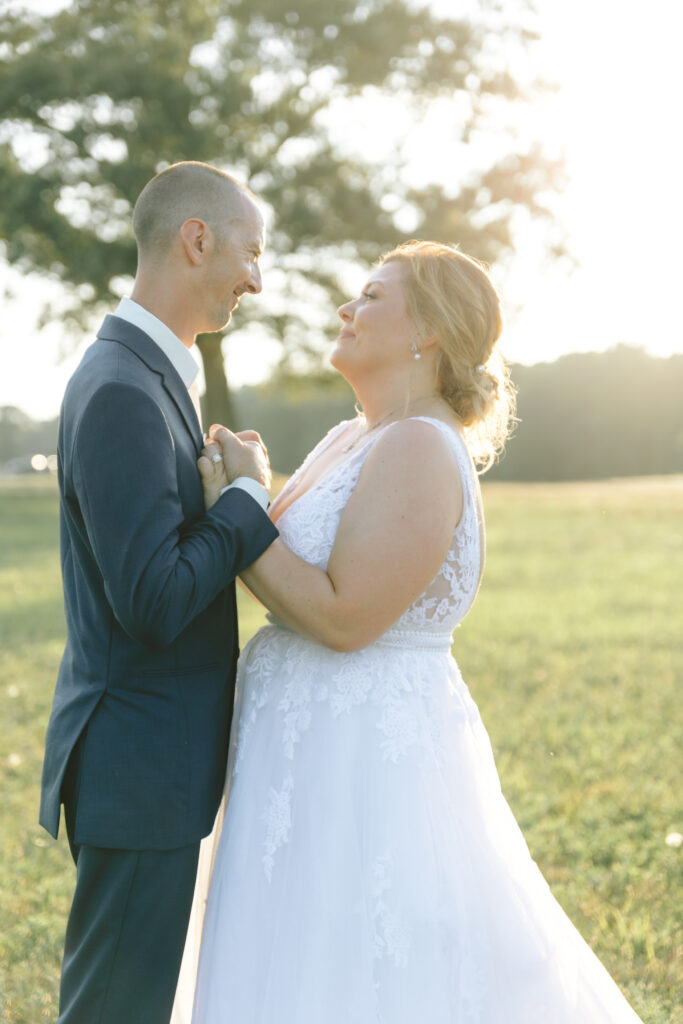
(216,458)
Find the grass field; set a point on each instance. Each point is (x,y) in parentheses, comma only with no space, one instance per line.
(573,652)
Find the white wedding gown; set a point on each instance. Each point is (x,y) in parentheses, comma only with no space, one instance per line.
(369,870)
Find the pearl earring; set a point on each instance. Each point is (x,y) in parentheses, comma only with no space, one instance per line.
(413,349)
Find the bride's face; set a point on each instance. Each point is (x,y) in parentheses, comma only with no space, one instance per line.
(376,329)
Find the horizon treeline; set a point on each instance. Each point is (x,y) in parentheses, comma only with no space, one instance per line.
(584,416)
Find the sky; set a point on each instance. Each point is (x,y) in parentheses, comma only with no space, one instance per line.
(616,117)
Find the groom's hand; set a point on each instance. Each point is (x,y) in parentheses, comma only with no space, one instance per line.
(244,454)
(212,473)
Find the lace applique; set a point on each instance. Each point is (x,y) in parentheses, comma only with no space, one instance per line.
(278,819)
(394,693)
(434,752)
(399,730)
(391,937)
(450,594)
(309,525)
(261,660)
(353,683)
(296,698)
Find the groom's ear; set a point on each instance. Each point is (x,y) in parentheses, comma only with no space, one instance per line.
(194,236)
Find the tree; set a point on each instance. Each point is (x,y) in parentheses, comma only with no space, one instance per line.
(22,436)
(590,415)
(97,98)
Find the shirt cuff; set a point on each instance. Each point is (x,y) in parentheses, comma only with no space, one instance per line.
(252,487)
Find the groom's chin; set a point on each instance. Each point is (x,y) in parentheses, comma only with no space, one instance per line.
(221,321)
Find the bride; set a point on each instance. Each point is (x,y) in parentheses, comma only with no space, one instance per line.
(368,868)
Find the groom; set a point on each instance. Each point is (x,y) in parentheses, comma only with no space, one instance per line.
(136,745)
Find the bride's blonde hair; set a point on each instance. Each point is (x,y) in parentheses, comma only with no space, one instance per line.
(450,296)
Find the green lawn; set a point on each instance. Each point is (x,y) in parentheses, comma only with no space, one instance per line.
(573,652)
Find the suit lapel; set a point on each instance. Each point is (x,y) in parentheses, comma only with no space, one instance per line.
(141,345)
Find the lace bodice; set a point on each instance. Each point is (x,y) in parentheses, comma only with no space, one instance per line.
(309,526)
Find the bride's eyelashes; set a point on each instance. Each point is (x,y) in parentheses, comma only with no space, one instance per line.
(369,295)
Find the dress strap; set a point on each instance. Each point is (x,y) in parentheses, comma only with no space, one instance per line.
(459,447)
(470,479)
(445,428)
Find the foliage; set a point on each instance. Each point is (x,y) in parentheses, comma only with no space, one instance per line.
(573,654)
(96,99)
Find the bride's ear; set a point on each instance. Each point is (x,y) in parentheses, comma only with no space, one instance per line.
(426,345)
(428,341)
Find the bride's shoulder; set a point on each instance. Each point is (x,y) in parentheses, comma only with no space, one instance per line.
(412,465)
(412,442)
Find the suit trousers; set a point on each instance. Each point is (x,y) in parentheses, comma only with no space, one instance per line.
(126,932)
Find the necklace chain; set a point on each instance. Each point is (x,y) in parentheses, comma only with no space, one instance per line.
(384,418)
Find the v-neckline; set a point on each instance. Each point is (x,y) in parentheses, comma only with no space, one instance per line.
(347,461)
(326,476)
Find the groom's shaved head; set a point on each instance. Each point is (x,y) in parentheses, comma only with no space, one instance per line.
(182,192)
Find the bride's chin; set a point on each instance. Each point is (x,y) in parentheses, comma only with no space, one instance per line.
(337,358)
(341,365)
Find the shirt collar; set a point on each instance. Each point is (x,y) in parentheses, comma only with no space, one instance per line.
(170,344)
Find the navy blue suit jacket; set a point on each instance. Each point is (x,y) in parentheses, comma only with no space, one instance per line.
(147,677)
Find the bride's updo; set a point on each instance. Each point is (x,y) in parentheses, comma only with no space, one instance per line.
(450,296)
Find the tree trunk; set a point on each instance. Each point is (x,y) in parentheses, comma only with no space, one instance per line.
(217,403)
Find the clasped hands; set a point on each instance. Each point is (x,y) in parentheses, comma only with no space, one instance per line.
(226,456)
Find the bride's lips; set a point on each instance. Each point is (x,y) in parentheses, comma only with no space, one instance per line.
(345,334)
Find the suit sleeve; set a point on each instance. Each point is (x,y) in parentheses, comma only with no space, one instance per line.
(158,572)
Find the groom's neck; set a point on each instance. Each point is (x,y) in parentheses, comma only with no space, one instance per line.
(166,303)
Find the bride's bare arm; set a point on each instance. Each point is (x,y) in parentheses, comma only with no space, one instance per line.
(245,588)
(393,536)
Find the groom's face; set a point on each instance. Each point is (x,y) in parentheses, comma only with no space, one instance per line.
(234,265)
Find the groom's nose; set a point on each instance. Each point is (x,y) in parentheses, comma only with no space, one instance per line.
(255,283)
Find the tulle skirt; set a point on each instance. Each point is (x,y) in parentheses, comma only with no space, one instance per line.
(369,869)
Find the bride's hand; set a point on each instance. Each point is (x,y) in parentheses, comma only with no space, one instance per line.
(212,472)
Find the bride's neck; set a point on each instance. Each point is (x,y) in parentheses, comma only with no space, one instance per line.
(380,400)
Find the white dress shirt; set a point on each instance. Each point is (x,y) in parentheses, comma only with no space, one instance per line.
(187,369)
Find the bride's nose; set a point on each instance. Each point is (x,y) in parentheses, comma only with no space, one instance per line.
(345,312)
